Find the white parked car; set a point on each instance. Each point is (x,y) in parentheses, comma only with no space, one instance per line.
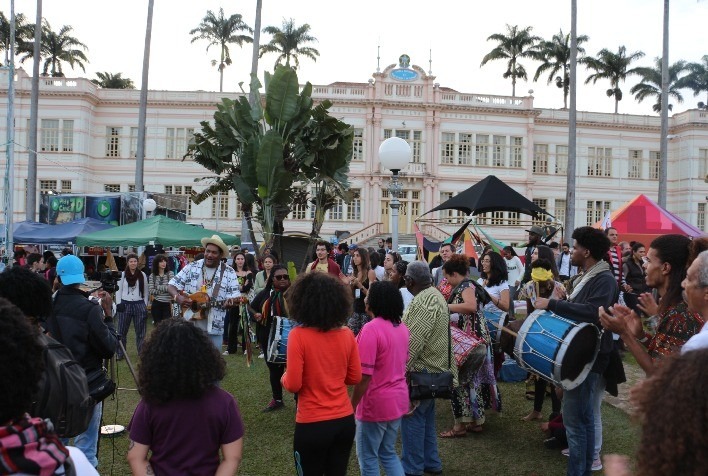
(408,252)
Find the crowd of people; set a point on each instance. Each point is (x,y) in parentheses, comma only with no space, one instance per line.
(346,336)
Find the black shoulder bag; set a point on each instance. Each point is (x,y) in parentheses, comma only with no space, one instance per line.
(427,385)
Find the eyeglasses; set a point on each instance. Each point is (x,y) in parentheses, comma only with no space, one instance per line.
(281,277)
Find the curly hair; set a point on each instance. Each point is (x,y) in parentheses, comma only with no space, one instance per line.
(159,258)
(21,362)
(385,301)
(319,300)
(546,253)
(672,249)
(27,290)
(696,247)
(497,271)
(178,361)
(594,240)
(676,442)
(457,263)
(401,267)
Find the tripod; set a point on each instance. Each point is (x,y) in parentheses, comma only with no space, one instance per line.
(113,363)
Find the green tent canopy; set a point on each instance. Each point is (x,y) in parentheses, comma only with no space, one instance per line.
(160,229)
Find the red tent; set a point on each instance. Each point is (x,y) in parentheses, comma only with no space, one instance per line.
(642,220)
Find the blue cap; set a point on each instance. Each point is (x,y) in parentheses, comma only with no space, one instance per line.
(71,270)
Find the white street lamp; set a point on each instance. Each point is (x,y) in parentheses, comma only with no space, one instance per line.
(149,205)
(394,154)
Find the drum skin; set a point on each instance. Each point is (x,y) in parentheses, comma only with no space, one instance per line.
(278,339)
(558,349)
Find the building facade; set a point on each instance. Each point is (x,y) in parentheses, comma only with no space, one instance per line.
(88,137)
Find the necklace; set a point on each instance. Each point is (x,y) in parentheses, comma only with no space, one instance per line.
(207,281)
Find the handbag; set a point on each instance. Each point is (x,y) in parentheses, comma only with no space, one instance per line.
(99,384)
(427,385)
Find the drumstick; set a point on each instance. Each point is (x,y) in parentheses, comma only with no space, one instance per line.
(504,329)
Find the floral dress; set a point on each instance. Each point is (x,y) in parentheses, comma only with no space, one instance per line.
(359,317)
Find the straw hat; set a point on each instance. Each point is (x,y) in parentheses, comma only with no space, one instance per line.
(216,241)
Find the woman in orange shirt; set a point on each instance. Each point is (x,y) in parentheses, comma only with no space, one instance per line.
(323,358)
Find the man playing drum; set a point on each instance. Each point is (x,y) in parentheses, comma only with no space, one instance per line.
(596,288)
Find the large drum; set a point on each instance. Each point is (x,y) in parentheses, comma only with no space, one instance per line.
(278,339)
(558,349)
(496,320)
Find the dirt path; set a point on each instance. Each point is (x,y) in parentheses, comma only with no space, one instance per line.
(634,374)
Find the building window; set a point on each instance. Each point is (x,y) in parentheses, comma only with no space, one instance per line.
(358,146)
(111,187)
(599,161)
(634,169)
(497,218)
(177,140)
(514,218)
(540,159)
(447,148)
(414,139)
(47,185)
(417,145)
(299,210)
(50,135)
(464,149)
(654,164)
(133,141)
(543,204)
(183,202)
(66,186)
(561,159)
(131,188)
(67,136)
(499,151)
(517,144)
(445,196)
(337,211)
(482,150)
(220,205)
(559,210)
(596,211)
(703,164)
(388,133)
(701,219)
(113,141)
(354,207)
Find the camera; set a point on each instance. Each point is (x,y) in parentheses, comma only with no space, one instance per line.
(109,281)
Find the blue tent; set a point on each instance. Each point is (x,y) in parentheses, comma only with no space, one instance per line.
(42,234)
(25,231)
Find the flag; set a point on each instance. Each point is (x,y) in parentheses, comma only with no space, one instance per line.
(607,222)
(427,250)
(494,243)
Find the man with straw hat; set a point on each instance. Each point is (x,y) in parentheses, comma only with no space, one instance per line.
(206,288)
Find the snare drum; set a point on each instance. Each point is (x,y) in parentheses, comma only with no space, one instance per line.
(278,339)
(558,349)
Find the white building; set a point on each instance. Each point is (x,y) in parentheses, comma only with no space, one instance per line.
(88,137)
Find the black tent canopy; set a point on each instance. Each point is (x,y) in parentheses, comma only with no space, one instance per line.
(490,195)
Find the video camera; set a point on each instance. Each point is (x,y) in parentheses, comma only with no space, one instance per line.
(109,281)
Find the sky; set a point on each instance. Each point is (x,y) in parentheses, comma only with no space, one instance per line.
(349,34)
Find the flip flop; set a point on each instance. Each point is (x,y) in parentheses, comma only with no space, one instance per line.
(453,433)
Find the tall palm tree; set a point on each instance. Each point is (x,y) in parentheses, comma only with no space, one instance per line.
(286,42)
(697,79)
(221,31)
(614,67)
(650,86)
(113,81)
(516,44)
(23,34)
(57,48)
(554,56)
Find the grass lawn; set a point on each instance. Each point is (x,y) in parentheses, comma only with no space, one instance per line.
(507,446)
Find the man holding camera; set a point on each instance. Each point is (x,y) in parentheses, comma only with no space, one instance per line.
(86,328)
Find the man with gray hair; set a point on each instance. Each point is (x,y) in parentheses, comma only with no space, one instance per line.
(695,293)
(428,320)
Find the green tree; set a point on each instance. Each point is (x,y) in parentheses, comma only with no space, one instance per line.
(262,152)
(222,32)
(287,43)
(613,67)
(516,44)
(697,79)
(650,85)
(57,48)
(554,56)
(113,81)
(23,34)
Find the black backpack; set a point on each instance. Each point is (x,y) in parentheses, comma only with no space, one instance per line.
(63,394)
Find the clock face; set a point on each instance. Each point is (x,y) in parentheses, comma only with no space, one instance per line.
(404,74)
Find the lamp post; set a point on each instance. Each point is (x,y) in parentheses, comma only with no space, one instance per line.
(149,206)
(394,154)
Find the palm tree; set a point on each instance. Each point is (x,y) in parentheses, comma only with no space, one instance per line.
(554,56)
(113,81)
(221,31)
(518,43)
(612,66)
(286,43)
(57,48)
(23,34)
(697,79)
(650,86)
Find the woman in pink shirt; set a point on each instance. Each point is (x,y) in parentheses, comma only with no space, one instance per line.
(381,398)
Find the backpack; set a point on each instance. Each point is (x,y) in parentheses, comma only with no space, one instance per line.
(63,394)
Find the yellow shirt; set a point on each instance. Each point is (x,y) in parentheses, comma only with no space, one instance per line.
(321,267)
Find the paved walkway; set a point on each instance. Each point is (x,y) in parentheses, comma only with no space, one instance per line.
(634,374)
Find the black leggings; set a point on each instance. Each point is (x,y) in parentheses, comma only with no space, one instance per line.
(323,448)
(160,311)
(235,332)
(540,394)
(275,371)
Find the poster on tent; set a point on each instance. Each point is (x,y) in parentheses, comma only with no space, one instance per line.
(56,209)
(116,209)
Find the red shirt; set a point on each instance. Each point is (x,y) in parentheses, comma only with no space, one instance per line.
(320,366)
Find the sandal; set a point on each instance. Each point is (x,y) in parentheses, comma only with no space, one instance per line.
(453,433)
(532,417)
(471,427)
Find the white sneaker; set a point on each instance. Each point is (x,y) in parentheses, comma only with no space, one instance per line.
(244,352)
(596,465)
(261,356)
(566,452)
(226,352)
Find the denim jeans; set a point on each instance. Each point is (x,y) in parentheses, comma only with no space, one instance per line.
(420,440)
(597,397)
(87,441)
(376,441)
(580,425)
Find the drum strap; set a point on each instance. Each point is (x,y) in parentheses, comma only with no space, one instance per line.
(217,286)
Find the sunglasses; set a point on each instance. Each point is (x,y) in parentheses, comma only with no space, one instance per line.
(281,277)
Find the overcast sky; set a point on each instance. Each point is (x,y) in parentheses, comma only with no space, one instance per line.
(349,32)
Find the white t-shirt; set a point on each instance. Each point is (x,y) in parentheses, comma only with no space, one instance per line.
(697,342)
(494,291)
(515,269)
(380,271)
(407,297)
